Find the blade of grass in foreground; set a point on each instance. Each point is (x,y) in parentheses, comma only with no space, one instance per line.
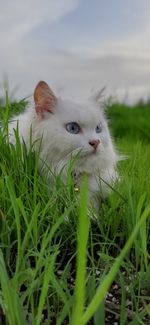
(83,231)
(13,200)
(48,270)
(13,310)
(104,286)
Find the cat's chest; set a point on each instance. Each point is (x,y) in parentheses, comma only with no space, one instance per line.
(77,177)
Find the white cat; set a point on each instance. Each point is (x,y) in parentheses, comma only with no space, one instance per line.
(64,129)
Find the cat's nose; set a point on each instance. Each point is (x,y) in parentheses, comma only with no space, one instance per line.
(94,143)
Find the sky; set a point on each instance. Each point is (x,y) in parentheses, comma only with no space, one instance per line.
(77,47)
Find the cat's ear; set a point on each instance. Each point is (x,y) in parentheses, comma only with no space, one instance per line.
(98,95)
(44,98)
(98,98)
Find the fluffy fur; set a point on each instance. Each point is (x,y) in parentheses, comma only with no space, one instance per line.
(47,121)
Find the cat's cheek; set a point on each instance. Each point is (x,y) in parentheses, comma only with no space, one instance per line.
(104,142)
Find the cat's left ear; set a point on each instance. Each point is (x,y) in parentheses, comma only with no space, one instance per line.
(44,98)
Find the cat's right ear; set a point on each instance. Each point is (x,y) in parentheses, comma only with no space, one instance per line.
(97,97)
(44,98)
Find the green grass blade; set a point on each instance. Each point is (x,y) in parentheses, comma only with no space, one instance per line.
(83,231)
(13,309)
(11,191)
(48,270)
(103,288)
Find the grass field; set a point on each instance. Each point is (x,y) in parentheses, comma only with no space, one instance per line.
(58,265)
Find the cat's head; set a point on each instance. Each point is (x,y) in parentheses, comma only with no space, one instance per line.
(70,127)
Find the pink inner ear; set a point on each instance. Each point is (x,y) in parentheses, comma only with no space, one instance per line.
(44,99)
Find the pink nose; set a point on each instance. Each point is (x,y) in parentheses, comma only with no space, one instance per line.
(94,143)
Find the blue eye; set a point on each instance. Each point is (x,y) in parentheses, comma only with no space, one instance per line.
(98,129)
(73,127)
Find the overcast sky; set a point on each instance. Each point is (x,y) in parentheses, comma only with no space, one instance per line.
(77,46)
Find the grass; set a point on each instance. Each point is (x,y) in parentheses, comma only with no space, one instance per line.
(58,265)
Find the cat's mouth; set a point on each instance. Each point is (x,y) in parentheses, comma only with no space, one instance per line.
(89,153)
(84,153)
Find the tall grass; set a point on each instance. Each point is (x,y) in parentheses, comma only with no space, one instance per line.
(57,264)
(130,122)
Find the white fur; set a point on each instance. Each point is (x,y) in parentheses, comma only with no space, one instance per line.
(58,145)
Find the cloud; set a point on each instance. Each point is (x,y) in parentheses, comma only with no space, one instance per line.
(19,17)
(121,63)
(77,75)
(17,20)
